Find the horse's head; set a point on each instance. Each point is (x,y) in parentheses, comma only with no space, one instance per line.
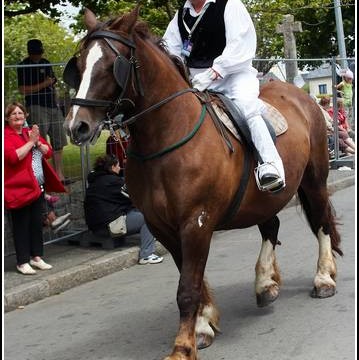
(101,72)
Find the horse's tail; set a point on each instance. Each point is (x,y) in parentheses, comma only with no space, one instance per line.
(326,218)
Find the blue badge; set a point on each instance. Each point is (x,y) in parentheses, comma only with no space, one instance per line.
(187,48)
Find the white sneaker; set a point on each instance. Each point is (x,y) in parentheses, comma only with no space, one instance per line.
(40,264)
(60,219)
(26,269)
(62,226)
(151,259)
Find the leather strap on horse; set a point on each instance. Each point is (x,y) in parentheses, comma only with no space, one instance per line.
(172,147)
(236,202)
(132,119)
(206,99)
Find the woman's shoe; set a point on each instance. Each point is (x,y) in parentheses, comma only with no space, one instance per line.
(62,226)
(40,264)
(60,220)
(26,269)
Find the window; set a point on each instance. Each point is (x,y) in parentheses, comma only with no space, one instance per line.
(323,89)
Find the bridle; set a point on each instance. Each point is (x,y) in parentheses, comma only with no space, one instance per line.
(123,70)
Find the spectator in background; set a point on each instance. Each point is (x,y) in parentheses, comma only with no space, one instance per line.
(116,145)
(346,144)
(37,84)
(324,104)
(352,69)
(346,87)
(106,200)
(25,172)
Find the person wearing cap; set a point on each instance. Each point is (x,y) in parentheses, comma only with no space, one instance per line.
(37,84)
(346,87)
(217,41)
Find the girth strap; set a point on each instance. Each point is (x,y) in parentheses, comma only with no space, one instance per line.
(236,202)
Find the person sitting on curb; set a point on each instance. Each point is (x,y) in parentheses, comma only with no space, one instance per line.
(107,203)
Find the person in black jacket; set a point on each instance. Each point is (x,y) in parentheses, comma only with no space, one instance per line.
(106,200)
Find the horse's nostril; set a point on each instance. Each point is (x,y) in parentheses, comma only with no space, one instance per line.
(83,129)
(80,133)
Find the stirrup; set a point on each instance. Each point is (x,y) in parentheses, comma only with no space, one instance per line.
(270,181)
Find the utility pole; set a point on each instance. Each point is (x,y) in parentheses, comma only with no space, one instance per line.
(340,34)
(287,28)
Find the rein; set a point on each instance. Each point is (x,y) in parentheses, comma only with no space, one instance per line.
(171,147)
(157,105)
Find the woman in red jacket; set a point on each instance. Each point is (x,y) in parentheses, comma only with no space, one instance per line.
(25,170)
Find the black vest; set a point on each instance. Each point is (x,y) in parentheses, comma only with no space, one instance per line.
(209,38)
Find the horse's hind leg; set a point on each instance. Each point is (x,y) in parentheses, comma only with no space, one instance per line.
(267,272)
(320,215)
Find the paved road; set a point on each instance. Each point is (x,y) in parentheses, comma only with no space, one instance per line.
(132,314)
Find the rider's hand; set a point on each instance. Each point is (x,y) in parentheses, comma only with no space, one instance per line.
(202,80)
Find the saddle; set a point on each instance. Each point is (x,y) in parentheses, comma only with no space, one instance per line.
(226,114)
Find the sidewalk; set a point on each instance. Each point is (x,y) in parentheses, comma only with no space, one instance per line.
(74,265)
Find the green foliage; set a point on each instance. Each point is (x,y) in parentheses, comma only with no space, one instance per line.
(72,154)
(317,17)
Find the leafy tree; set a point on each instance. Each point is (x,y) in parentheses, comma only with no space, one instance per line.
(317,40)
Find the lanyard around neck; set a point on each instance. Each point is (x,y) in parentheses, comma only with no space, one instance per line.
(190,31)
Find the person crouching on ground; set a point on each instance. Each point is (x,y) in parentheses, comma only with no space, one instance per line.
(106,200)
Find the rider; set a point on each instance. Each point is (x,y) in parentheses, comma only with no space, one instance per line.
(217,41)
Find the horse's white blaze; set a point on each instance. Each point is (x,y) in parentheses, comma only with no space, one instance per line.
(203,320)
(265,267)
(326,268)
(94,55)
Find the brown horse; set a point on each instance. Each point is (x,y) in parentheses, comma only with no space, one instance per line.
(183,177)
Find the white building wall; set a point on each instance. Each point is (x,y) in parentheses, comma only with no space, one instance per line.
(314,85)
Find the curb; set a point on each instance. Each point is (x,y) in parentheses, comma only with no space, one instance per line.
(64,280)
(115,261)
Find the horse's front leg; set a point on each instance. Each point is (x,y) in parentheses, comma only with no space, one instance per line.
(195,247)
(207,319)
(267,272)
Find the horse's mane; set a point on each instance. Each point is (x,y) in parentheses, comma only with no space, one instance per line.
(142,30)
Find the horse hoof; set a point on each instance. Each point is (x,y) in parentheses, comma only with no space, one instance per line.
(323,292)
(267,297)
(203,341)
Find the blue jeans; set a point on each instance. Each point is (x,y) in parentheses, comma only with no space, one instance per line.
(135,222)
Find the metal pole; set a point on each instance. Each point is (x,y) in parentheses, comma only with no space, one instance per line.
(340,33)
(335,113)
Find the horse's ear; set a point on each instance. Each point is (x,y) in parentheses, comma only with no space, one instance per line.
(90,19)
(127,21)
